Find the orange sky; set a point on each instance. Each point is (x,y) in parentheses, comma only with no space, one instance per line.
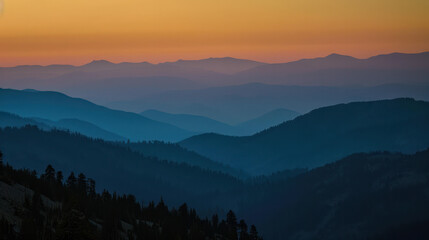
(78,31)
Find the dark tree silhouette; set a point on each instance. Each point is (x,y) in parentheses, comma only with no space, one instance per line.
(82,183)
(253,233)
(243,230)
(71,180)
(231,221)
(60,177)
(88,215)
(49,174)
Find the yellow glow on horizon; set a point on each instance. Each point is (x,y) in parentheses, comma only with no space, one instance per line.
(60,31)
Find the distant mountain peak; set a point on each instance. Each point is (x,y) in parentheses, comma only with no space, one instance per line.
(99,63)
(226,58)
(338,56)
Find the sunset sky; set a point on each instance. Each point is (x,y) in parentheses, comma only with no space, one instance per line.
(78,31)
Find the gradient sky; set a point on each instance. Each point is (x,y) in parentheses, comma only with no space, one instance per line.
(78,31)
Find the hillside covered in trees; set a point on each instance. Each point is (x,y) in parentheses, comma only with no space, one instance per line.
(54,207)
(363,196)
(116,167)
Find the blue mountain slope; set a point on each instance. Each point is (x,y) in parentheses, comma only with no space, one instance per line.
(55,106)
(322,136)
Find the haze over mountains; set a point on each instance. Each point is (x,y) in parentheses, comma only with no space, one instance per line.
(60,111)
(340,70)
(171,75)
(210,70)
(193,123)
(268,120)
(299,148)
(236,104)
(201,124)
(308,141)
(140,86)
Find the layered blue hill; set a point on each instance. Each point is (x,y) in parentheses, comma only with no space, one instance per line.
(55,106)
(323,135)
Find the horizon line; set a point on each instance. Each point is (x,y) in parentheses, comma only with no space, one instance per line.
(207,58)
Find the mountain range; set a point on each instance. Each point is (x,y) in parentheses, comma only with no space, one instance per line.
(236,104)
(105,83)
(340,70)
(206,70)
(322,136)
(99,78)
(382,194)
(318,177)
(63,112)
(332,147)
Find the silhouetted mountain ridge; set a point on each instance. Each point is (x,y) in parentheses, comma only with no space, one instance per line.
(340,70)
(134,81)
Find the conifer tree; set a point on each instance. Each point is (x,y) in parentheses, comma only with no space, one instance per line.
(49,174)
(60,177)
(253,233)
(243,230)
(231,222)
(71,180)
(91,187)
(81,182)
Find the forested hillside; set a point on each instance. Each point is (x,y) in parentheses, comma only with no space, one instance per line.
(117,168)
(55,207)
(363,196)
